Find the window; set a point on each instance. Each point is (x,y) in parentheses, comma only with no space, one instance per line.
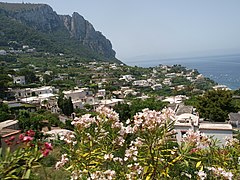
(183,132)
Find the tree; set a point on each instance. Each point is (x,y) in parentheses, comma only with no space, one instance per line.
(216,105)
(32,121)
(65,105)
(124,111)
(4,112)
(30,76)
(4,82)
(128,111)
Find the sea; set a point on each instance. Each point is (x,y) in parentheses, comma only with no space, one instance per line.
(224,69)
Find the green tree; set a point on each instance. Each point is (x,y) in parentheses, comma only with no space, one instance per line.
(32,121)
(128,111)
(30,76)
(216,105)
(4,82)
(65,105)
(124,111)
(4,112)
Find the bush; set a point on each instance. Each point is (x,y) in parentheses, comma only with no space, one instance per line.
(101,147)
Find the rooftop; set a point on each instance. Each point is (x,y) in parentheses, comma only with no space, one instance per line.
(234,116)
(7,123)
(215,126)
(8,132)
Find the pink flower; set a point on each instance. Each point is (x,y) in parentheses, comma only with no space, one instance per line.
(12,138)
(21,136)
(48,146)
(45,152)
(27,138)
(30,133)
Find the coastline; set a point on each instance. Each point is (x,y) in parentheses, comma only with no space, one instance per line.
(222,69)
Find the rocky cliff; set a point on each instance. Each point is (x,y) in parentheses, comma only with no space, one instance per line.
(84,32)
(42,18)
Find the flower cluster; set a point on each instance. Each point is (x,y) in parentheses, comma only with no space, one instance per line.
(84,122)
(200,140)
(10,140)
(108,113)
(62,162)
(26,140)
(135,170)
(231,142)
(220,172)
(69,138)
(102,147)
(132,151)
(151,119)
(46,149)
(106,175)
(23,154)
(202,175)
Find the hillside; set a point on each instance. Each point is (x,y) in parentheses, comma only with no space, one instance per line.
(38,26)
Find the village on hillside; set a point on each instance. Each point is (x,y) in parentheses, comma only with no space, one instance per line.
(83,86)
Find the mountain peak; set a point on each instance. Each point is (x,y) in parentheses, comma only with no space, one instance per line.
(75,28)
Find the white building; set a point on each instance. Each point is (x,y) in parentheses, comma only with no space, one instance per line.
(221,87)
(19,80)
(218,130)
(170,75)
(183,123)
(156,87)
(80,97)
(142,83)
(173,99)
(167,81)
(127,78)
(29,92)
(101,93)
(3,52)
(110,102)
(78,94)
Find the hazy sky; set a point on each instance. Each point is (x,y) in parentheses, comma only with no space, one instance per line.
(163,28)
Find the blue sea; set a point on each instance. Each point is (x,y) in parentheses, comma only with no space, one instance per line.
(222,69)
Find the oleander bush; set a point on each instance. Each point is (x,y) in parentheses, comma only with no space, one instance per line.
(102,147)
(22,156)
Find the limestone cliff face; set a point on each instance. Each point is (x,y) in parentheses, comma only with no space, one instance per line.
(84,31)
(42,17)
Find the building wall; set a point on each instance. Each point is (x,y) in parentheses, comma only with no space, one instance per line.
(218,134)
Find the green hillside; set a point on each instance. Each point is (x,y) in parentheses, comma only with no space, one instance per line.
(16,32)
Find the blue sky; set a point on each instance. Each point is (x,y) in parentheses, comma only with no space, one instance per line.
(160,28)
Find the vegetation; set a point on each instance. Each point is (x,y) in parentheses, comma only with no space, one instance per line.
(127,111)
(19,163)
(214,105)
(5,81)
(4,112)
(101,147)
(65,105)
(17,34)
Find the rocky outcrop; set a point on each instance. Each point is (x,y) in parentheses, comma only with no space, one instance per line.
(42,18)
(84,32)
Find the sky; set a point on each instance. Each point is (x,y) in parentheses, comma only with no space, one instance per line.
(160,28)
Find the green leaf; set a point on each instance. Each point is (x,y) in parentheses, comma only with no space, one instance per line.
(149,176)
(27,174)
(30,162)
